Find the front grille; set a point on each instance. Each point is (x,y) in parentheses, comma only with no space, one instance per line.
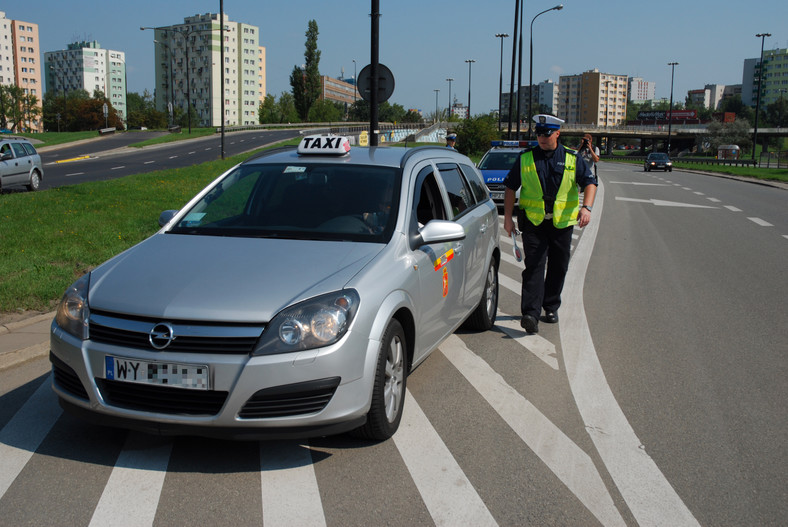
(165,400)
(189,337)
(292,399)
(66,378)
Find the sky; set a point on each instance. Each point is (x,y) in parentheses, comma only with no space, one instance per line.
(425,42)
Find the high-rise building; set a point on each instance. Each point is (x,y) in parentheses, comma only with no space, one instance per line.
(641,89)
(774,81)
(188,69)
(87,66)
(593,98)
(19,66)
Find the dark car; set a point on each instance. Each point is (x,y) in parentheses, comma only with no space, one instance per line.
(658,161)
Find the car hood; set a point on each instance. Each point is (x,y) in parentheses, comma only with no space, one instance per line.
(229,279)
(494,176)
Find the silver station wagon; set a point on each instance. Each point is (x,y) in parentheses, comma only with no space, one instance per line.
(290,298)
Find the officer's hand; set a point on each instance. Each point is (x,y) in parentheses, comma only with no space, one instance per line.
(583,218)
(508,225)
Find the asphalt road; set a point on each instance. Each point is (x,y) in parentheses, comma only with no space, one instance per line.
(108,157)
(658,399)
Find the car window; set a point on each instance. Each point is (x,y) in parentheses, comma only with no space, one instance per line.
(477,184)
(300,201)
(427,201)
(19,150)
(29,148)
(499,160)
(5,149)
(460,195)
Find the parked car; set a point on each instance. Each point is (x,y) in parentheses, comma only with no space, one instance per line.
(496,163)
(658,161)
(289,298)
(20,164)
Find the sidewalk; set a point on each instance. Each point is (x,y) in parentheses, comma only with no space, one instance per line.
(25,340)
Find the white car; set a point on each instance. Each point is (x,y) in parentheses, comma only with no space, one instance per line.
(290,298)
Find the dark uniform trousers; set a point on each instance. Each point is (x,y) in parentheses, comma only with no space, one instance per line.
(545,247)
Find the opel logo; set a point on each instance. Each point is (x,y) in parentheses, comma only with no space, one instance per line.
(161,335)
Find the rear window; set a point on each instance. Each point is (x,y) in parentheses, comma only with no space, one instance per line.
(29,148)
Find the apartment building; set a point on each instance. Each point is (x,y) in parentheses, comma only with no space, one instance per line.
(189,69)
(641,90)
(774,83)
(87,66)
(20,54)
(593,98)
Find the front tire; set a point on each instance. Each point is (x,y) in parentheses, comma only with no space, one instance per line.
(483,317)
(388,392)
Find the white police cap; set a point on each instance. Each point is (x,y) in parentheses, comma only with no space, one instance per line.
(451,137)
(548,121)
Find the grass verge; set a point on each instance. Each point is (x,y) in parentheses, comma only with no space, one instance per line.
(49,239)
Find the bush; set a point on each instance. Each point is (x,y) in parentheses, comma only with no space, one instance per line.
(475,134)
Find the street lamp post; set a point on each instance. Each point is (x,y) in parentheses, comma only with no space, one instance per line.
(531,64)
(607,101)
(436,105)
(470,62)
(762,36)
(500,79)
(670,108)
(450,79)
(169,79)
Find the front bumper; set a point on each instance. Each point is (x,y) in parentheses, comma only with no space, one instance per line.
(307,394)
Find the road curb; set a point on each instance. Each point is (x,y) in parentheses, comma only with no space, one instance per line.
(15,358)
(20,324)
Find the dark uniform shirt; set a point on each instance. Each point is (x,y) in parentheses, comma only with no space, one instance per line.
(550,168)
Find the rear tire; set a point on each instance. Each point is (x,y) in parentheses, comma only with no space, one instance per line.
(388,392)
(483,317)
(35,181)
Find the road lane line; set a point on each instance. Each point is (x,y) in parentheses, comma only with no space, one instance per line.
(149,162)
(289,486)
(448,495)
(173,157)
(648,494)
(759,221)
(732,209)
(22,435)
(713,200)
(118,168)
(133,490)
(565,459)
(75,174)
(539,346)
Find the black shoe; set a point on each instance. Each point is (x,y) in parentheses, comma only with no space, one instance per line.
(529,324)
(551,317)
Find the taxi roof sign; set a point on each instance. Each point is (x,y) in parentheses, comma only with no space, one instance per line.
(329,144)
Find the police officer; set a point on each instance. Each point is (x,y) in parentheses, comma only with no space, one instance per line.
(549,176)
(451,139)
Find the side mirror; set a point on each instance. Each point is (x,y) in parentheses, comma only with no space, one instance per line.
(437,231)
(166,216)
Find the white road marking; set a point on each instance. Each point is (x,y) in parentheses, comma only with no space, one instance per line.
(173,157)
(448,495)
(713,200)
(663,203)
(132,493)
(149,162)
(22,435)
(699,193)
(75,174)
(539,346)
(647,492)
(118,168)
(733,209)
(190,153)
(638,184)
(289,485)
(564,458)
(759,221)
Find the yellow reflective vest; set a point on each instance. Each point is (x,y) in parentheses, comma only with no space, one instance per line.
(567,201)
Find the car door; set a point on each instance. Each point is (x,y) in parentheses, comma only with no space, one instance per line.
(440,266)
(485,216)
(465,212)
(20,166)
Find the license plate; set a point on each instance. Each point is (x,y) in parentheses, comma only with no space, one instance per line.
(496,195)
(191,376)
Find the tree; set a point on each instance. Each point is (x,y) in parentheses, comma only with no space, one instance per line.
(267,111)
(391,113)
(287,109)
(305,81)
(777,113)
(412,117)
(359,111)
(323,111)
(475,134)
(735,133)
(735,105)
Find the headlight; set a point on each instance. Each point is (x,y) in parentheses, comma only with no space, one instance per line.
(73,311)
(314,323)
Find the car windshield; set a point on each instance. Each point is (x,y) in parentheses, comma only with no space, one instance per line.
(499,160)
(299,201)
(658,157)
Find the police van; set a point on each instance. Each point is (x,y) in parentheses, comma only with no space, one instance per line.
(497,162)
